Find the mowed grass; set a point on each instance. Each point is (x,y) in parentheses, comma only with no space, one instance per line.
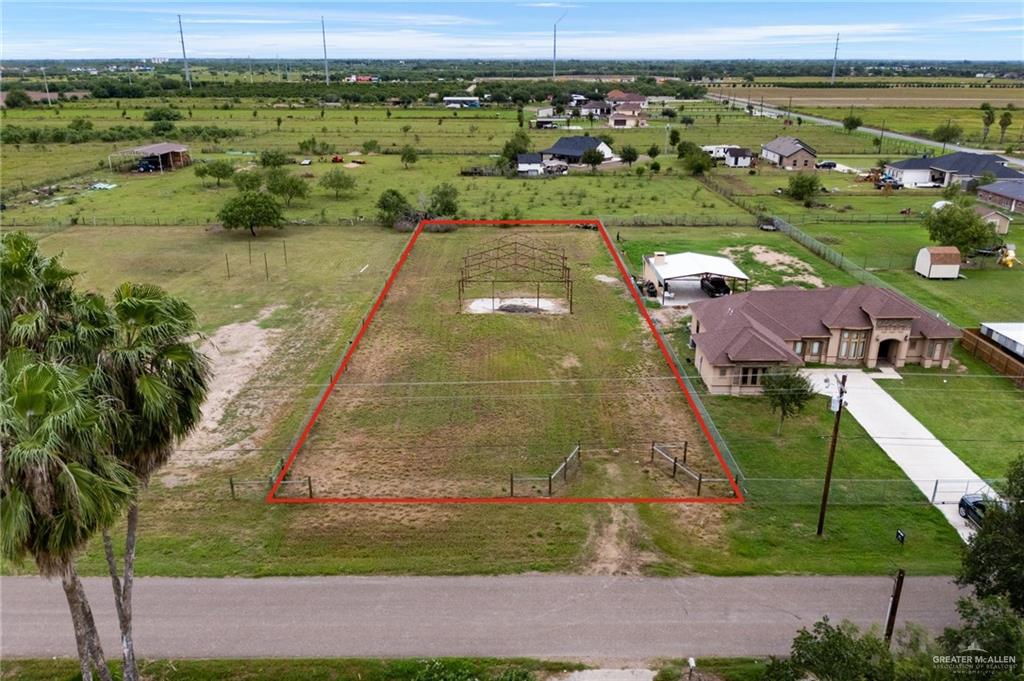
(839,98)
(983,295)
(984,428)
(927,118)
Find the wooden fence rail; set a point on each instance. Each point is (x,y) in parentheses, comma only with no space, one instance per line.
(992,354)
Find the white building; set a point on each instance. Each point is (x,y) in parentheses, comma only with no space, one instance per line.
(938,262)
(738,157)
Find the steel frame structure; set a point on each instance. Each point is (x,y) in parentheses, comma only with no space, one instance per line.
(515,259)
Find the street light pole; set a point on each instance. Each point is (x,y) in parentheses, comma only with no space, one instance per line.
(837,407)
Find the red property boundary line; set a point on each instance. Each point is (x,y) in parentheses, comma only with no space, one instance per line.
(272,497)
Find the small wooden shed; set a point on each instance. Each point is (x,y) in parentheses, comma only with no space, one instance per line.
(938,262)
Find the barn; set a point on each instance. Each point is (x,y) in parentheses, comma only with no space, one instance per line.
(938,262)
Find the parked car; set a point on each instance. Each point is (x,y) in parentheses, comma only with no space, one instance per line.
(974,506)
(650,289)
(715,287)
(825,165)
(889,182)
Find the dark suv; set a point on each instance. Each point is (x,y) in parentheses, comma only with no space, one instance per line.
(715,287)
(974,506)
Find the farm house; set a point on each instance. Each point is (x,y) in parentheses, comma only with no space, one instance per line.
(152,157)
(938,262)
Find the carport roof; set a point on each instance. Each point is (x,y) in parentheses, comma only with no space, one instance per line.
(689,265)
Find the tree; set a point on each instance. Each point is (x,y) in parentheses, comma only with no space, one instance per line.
(673,137)
(391,206)
(1005,121)
(718,119)
(444,200)
(271,158)
(337,181)
(519,144)
(277,120)
(286,185)
(835,653)
(17,99)
(520,118)
(851,123)
(629,155)
(688,121)
(251,210)
(988,117)
(947,132)
(592,158)
(159,382)
(787,392)
(684,148)
(653,151)
(697,162)
(409,156)
(405,129)
(669,113)
(993,560)
(202,171)
(221,169)
(803,186)
(989,623)
(162,128)
(247,180)
(958,225)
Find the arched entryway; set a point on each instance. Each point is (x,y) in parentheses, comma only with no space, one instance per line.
(888,351)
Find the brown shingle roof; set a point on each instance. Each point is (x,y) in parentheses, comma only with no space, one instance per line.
(760,325)
(944,255)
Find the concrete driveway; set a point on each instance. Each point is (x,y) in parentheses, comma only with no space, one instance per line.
(931,466)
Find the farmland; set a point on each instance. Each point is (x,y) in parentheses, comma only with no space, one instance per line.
(870,97)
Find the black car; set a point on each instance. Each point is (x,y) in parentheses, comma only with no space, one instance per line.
(973,507)
(825,165)
(715,287)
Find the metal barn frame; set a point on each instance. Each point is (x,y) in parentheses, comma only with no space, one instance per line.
(515,259)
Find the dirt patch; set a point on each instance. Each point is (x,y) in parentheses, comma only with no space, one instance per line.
(353,165)
(793,269)
(605,279)
(516,306)
(237,352)
(614,543)
(668,317)
(570,361)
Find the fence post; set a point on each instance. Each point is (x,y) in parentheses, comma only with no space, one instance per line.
(266,267)
(935,490)
(284,245)
(231,481)
(549,484)
(700,481)
(309,486)
(652,450)
(686,446)
(227,265)
(675,464)
(511,484)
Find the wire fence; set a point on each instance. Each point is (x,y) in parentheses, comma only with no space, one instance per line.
(527,485)
(864,492)
(679,469)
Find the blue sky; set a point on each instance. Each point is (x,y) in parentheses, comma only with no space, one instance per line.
(870,29)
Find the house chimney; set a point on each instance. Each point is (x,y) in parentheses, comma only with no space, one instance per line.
(659,257)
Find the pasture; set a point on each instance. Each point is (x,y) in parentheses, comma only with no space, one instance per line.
(955,96)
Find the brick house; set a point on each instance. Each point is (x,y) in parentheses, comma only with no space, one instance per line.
(1007,194)
(789,153)
(737,339)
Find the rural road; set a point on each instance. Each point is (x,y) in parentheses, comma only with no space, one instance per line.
(590,618)
(889,134)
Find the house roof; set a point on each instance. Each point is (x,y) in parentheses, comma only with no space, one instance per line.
(620,96)
(915,163)
(760,325)
(739,152)
(595,104)
(529,158)
(688,265)
(974,165)
(944,255)
(985,211)
(573,146)
(159,148)
(787,146)
(1009,190)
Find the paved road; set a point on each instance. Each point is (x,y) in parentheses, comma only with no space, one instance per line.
(889,134)
(611,619)
(935,469)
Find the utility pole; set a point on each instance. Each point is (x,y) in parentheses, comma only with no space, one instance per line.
(894,604)
(554,46)
(837,407)
(184,58)
(881,137)
(668,126)
(835,59)
(323,34)
(46,86)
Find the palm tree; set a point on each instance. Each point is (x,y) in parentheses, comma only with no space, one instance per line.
(159,381)
(58,486)
(1005,121)
(988,117)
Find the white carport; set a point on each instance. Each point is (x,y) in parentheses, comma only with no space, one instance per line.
(684,271)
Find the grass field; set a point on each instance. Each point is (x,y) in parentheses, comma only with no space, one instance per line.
(442,403)
(844,98)
(925,119)
(983,295)
(985,429)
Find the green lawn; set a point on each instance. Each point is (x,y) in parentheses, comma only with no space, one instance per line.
(985,427)
(993,294)
(887,246)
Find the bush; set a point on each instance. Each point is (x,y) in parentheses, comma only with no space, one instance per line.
(163,113)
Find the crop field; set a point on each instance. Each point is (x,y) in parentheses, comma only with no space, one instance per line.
(916,120)
(844,98)
(440,401)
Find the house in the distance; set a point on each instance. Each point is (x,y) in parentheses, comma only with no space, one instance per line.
(529,164)
(789,153)
(737,339)
(624,119)
(1000,221)
(619,98)
(571,149)
(738,157)
(938,262)
(955,168)
(596,108)
(1005,194)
